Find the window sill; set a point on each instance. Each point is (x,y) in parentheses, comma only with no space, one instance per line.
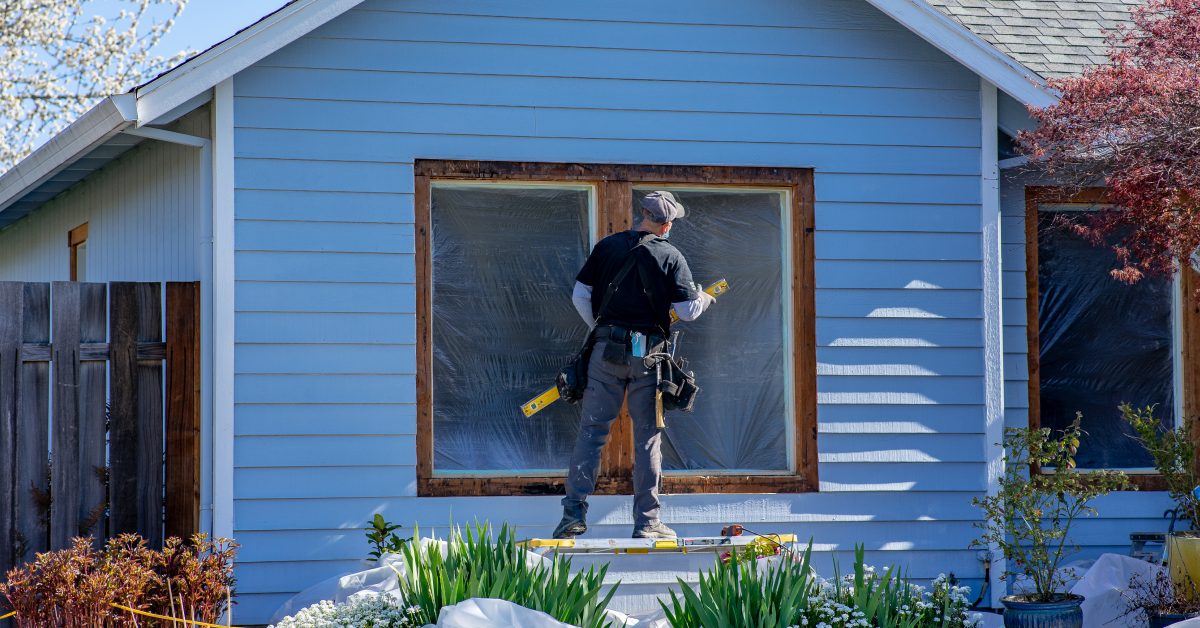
(671,485)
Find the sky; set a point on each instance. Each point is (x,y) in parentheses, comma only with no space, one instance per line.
(206,22)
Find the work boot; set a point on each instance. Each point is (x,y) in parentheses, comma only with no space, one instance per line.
(573,522)
(655,529)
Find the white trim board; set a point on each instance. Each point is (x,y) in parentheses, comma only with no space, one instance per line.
(222,311)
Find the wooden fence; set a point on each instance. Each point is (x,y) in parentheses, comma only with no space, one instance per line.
(85,428)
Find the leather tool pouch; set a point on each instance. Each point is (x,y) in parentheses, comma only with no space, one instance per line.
(572,379)
(678,387)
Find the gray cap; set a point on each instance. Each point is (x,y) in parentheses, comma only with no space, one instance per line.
(663,206)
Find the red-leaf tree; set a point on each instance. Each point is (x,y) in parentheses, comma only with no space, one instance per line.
(1133,126)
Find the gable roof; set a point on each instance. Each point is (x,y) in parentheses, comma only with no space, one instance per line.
(32,182)
(1054,38)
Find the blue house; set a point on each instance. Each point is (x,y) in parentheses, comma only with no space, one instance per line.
(386,201)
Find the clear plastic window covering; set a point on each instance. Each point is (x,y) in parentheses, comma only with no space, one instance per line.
(504,264)
(1103,343)
(738,348)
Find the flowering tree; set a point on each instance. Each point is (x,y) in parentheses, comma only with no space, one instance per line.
(57,63)
(1133,126)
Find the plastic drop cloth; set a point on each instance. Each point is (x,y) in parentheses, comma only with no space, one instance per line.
(376,578)
(504,264)
(493,613)
(736,348)
(1103,343)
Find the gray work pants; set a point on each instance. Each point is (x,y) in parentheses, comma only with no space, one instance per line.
(606,389)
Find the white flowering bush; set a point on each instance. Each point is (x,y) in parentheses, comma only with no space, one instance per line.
(58,62)
(378,611)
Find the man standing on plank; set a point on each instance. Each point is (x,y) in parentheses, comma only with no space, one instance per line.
(640,303)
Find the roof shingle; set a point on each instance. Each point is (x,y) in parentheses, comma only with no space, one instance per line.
(1051,37)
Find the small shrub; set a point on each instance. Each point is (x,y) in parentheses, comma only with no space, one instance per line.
(381,535)
(76,587)
(475,565)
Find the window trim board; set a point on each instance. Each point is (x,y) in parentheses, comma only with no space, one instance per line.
(614,188)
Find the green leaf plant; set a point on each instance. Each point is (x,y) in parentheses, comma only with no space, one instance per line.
(1041,495)
(381,536)
(473,564)
(1174,454)
(743,592)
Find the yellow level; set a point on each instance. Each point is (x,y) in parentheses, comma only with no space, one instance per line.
(646,546)
(532,406)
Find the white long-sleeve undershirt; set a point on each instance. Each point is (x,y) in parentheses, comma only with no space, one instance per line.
(581,298)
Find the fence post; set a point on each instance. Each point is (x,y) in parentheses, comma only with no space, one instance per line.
(92,398)
(12,296)
(183,410)
(123,433)
(64,479)
(33,423)
(150,417)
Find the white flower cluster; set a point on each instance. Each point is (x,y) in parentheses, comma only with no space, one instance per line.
(58,63)
(832,606)
(377,611)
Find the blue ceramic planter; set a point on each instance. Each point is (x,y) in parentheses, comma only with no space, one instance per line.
(1062,614)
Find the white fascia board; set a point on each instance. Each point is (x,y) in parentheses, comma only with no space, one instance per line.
(234,55)
(969,49)
(92,129)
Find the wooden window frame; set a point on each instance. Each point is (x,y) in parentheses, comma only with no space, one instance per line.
(75,237)
(1189,314)
(614,186)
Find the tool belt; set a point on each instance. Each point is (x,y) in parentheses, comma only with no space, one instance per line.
(618,347)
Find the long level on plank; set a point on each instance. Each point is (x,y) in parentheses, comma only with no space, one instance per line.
(648,546)
(539,402)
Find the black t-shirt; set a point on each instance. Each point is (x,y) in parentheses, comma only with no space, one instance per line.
(668,272)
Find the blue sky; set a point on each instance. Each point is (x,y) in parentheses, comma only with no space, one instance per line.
(206,22)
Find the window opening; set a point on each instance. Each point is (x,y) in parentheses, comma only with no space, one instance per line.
(504,259)
(740,351)
(77,241)
(1101,342)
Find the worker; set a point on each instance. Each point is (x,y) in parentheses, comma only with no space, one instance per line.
(613,371)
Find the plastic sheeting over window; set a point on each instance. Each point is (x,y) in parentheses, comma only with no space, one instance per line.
(737,348)
(1103,343)
(504,264)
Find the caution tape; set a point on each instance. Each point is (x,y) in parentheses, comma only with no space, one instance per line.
(181,621)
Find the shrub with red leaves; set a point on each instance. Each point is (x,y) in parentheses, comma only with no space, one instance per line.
(76,587)
(1133,126)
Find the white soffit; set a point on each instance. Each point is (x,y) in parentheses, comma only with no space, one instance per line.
(967,48)
(235,54)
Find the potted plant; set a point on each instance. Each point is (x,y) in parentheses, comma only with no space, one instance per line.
(1174,454)
(1029,519)
(1161,600)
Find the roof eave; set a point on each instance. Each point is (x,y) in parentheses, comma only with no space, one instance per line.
(92,129)
(969,49)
